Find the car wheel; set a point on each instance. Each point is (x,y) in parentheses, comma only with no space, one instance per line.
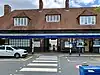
(17,55)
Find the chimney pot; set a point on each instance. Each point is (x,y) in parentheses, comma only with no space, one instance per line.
(40,4)
(7,9)
(67,4)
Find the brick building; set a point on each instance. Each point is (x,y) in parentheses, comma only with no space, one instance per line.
(40,29)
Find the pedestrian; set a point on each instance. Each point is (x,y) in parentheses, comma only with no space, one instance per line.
(53,47)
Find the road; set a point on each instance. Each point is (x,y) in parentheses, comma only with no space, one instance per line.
(46,64)
(55,65)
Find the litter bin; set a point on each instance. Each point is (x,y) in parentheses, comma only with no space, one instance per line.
(89,70)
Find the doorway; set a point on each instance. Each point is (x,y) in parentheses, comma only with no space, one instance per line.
(50,45)
(46,45)
(88,45)
(53,44)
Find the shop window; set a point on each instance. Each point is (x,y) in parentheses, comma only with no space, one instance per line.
(80,42)
(20,42)
(96,42)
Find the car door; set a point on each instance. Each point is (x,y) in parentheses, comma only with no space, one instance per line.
(2,51)
(9,51)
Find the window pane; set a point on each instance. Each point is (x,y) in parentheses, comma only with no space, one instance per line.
(15,21)
(20,21)
(8,48)
(87,20)
(26,21)
(2,48)
(56,18)
(47,18)
(52,18)
(20,42)
(93,20)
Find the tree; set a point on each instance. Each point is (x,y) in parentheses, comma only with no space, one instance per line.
(97,9)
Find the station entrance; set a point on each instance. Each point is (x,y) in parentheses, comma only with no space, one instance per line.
(87,42)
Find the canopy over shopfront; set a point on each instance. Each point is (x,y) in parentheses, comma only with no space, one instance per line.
(53,35)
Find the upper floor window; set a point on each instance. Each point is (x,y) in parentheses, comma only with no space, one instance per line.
(53,18)
(20,21)
(87,20)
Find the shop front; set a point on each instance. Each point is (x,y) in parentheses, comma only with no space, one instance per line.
(74,42)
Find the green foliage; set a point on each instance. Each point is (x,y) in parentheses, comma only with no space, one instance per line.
(97,9)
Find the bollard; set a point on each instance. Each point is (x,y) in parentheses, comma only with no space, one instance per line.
(70,52)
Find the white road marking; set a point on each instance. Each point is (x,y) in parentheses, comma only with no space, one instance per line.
(20,59)
(27,58)
(45,61)
(40,69)
(67,59)
(48,57)
(59,71)
(16,70)
(60,68)
(18,74)
(33,64)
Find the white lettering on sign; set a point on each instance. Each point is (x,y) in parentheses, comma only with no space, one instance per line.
(90,71)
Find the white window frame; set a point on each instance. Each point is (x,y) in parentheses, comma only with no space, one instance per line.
(53,18)
(84,20)
(20,21)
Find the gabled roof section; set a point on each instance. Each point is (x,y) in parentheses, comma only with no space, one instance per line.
(88,13)
(22,14)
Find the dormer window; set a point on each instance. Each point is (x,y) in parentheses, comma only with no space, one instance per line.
(87,20)
(53,18)
(20,21)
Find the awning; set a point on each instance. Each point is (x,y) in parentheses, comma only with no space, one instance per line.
(58,35)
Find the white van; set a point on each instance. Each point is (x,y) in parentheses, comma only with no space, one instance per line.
(8,50)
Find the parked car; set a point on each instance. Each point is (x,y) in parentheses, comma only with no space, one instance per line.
(8,50)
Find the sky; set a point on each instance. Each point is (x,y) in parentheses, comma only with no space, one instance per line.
(34,4)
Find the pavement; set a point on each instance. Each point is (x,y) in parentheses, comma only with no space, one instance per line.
(68,55)
(85,55)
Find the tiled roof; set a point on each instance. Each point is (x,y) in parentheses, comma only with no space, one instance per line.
(37,19)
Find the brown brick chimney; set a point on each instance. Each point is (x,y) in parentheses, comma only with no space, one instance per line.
(67,4)
(40,4)
(7,9)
